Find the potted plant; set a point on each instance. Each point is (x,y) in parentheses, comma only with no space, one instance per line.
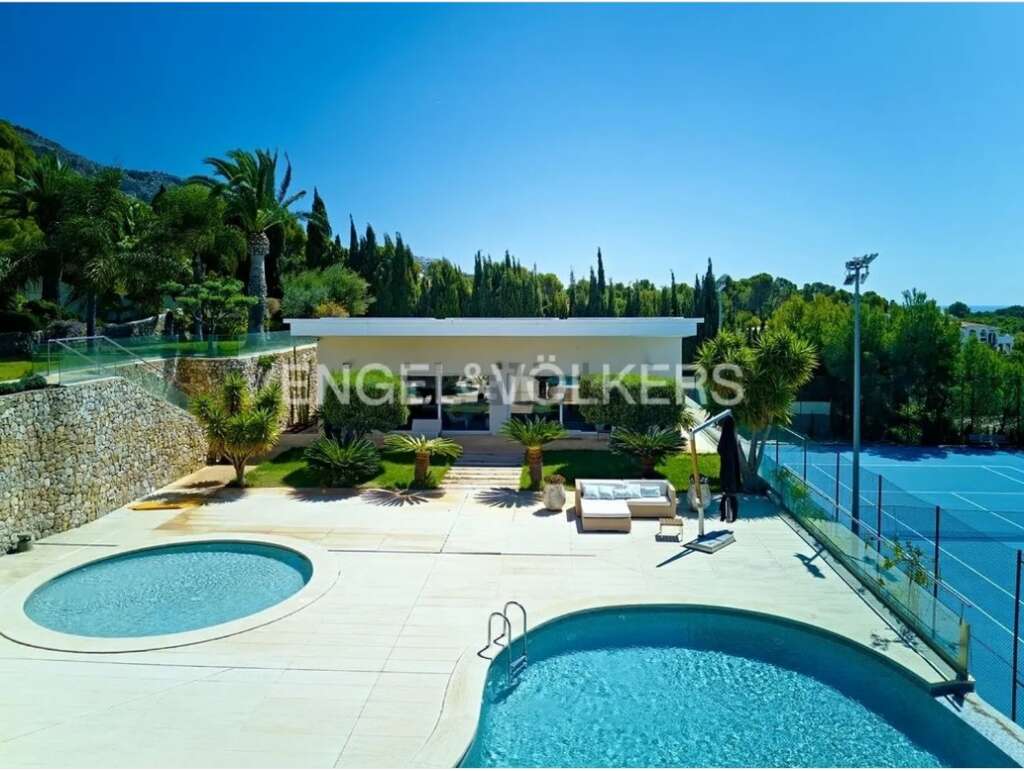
(554,492)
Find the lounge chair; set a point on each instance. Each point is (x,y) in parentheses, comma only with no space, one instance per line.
(611,504)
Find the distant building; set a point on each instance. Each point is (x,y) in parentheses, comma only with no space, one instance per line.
(990,335)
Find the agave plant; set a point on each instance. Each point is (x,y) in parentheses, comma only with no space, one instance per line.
(649,446)
(424,449)
(533,434)
(343,464)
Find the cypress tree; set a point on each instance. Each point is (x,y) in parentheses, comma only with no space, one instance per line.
(572,293)
(674,309)
(355,260)
(318,234)
(594,297)
(601,289)
(710,301)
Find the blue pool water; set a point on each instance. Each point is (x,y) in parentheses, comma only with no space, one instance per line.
(686,686)
(169,589)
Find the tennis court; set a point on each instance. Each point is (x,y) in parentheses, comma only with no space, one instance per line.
(963,508)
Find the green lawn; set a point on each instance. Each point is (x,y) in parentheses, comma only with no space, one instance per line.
(290,470)
(12,369)
(604,464)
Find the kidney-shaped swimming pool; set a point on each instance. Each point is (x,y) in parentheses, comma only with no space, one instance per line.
(670,686)
(168,589)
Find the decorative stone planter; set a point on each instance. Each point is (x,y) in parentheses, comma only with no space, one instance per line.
(554,496)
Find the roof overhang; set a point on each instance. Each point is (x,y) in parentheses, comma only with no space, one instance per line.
(658,326)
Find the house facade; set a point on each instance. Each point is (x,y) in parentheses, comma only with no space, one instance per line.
(470,375)
(987,334)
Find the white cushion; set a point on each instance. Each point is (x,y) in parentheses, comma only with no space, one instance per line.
(605,509)
(651,491)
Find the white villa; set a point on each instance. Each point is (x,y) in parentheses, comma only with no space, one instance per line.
(469,375)
(990,335)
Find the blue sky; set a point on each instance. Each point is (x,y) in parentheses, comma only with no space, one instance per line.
(773,138)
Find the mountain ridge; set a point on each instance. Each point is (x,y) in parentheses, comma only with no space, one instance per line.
(141,184)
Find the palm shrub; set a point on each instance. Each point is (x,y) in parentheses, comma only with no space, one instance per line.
(533,434)
(423,449)
(343,464)
(240,424)
(649,446)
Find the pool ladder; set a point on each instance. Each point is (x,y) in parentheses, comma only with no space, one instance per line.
(516,664)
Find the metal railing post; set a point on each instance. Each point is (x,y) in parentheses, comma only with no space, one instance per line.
(805,460)
(938,523)
(878,507)
(776,452)
(1016,642)
(837,487)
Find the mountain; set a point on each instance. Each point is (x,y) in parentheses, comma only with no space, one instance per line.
(141,184)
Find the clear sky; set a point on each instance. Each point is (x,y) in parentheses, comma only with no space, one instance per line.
(773,138)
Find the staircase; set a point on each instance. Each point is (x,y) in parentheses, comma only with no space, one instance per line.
(476,469)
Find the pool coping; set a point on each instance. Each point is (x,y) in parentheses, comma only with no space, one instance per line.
(457,724)
(15,625)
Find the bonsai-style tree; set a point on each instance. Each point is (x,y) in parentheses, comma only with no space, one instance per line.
(533,434)
(770,371)
(648,446)
(247,183)
(240,424)
(424,449)
(216,306)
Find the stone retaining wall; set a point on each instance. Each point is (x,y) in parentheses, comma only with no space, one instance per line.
(295,369)
(70,455)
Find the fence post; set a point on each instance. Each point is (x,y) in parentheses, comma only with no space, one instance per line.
(1016,642)
(938,519)
(805,461)
(776,452)
(878,507)
(837,487)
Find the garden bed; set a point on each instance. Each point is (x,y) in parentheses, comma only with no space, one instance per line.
(289,469)
(603,464)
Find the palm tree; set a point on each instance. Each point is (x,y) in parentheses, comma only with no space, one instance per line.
(424,449)
(533,434)
(41,196)
(240,425)
(771,370)
(649,446)
(247,182)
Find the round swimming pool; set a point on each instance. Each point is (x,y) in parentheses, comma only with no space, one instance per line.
(168,589)
(672,686)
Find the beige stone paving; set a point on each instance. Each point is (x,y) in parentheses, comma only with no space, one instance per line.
(357,678)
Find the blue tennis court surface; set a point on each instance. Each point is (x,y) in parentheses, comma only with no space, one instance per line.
(970,503)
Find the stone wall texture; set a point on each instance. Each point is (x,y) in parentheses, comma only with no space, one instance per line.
(70,455)
(295,369)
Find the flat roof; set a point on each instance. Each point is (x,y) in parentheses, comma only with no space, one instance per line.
(647,326)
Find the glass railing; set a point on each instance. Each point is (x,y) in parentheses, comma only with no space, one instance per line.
(897,562)
(79,359)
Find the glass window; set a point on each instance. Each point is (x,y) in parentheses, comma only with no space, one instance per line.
(421,396)
(464,405)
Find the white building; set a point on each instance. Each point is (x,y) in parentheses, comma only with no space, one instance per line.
(987,334)
(472,374)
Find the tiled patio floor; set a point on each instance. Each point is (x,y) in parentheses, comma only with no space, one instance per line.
(358,677)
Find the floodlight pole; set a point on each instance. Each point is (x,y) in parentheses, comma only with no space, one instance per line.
(856,272)
(855,505)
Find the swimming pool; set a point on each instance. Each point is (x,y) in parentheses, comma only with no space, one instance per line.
(168,589)
(694,686)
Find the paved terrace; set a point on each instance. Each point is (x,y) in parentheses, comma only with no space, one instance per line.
(358,677)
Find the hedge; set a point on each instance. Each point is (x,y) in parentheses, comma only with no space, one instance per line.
(611,407)
(27,383)
(357,418)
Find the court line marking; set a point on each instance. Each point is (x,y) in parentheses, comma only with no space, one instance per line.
(1005,476)
(975,492)
(993,513)
(926,539)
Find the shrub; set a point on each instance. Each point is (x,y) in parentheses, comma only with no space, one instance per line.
(26,383)
(343,464)
(334,288)
(611,407)
(352,417)
(648,446)
(44,310)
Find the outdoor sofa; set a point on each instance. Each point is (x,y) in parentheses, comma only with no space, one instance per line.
(611,504)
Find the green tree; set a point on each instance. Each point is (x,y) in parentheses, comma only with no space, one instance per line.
(533,434)
(635,402)
(216,306)
(770,371)
(444,291)
(422,449)
(246,181)
(318,234)
(239,424)
(356,404)
(960,310)
(333,291)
